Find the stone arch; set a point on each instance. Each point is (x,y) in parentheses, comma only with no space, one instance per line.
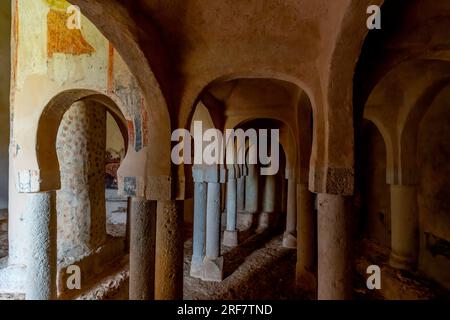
(46,177)
(287,140)
(307,97)
(150,66)
(391,160)
(192,101)
(336,161)
(409,134)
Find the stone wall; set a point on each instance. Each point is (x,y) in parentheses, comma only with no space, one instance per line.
(434,190)
(81,201)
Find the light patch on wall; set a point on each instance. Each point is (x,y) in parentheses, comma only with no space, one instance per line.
(64,40)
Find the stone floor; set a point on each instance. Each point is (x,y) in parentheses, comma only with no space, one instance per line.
(258,269)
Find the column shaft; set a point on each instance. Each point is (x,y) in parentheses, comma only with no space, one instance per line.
(334,259)
(142,249)
(213,221)
(199,230)
(289,239)
(306,244)
(169,251)
(404,227)
(251,190)
(213,262)
(241,194)
(230,237)
(41,264)
(269,194)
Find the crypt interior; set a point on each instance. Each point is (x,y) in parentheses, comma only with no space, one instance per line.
(86,172)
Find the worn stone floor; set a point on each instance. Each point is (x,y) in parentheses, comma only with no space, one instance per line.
(258,269)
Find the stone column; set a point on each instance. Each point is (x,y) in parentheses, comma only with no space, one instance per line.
(142,249)
(284,199)
(230,236)
(81,144)
(169,251)
(268,203)
(290,235)
(334,248)
(306,244)
(404,227)
(41,265)
(251,189)
(199,231)
(241,194)
(213,262)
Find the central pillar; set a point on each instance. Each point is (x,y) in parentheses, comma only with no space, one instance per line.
(142,249)
(334,248)
(169,250)
(230,236)
(199,230)
(404,226)
(81,145)
(213,262)
(41,265)
(306,243)
(290,235)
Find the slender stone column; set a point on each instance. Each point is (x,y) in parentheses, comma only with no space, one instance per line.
(268,203)
(251,189)
(290,235)
(334,248)
(200,191)
(41,264)
(404,226)
(269,194)
(284,199)
(241,194)
(213,262)
(230,237)
(169,251)
(142,249)
(306,244)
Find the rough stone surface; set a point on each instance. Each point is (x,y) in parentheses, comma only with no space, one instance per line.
(169,251)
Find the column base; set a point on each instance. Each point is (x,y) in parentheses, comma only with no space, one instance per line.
(196,270)
(403,263)
(244,220)
(289,241)
(264,221)
(230,238)
(212,269)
